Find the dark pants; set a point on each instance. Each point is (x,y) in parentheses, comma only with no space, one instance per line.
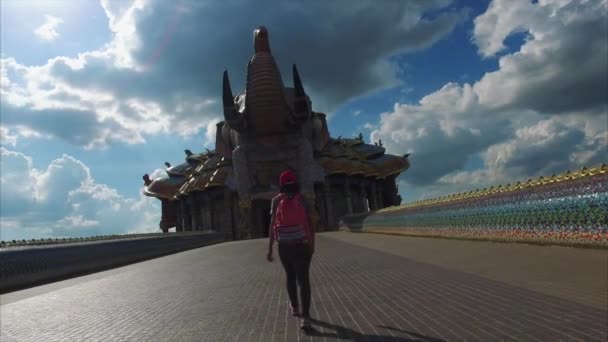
(296,261)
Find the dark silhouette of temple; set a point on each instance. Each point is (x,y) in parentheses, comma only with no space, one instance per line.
(267,129)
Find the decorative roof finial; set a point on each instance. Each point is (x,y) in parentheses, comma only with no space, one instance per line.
(147,179)
(261,43)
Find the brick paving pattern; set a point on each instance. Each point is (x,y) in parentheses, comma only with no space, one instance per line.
(228,292)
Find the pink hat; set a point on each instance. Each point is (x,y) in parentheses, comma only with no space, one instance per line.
(287,177)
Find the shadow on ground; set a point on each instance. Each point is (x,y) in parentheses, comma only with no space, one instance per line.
(349,334)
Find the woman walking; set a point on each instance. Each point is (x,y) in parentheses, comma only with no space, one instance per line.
(292,227)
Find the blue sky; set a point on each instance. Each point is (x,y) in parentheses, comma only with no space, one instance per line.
(95,94)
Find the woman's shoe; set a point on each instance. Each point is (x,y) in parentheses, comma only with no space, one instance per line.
(305,324)
(294,311)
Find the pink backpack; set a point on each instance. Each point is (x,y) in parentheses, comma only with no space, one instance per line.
(291,220)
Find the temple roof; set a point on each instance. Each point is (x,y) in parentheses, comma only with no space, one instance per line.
(389,164)
(213,172)
(193,160)
(197,158)
(203,171)
(180,175)
(369,151)
(183,169)
(164,188)
(354,157)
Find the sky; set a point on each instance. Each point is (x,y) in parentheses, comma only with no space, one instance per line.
(94,94)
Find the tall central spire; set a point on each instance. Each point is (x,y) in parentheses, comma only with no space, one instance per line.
(266,107)
(261,42)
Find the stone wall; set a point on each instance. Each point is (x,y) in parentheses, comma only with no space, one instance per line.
(24,267)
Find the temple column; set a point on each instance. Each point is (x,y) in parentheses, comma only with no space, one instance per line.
(185,214)
(362,196)
(373,195)
(179,227)
(182,212)
(201,213)
(227,214)
(391,192)
(348,196)
(212,212)
(244,227)
(355,195)
(322,207)
(304,155)
(209,212)
(380,194)
(164,216)
(195,211)
(358,195)
(235,215)
(204,199)
(329,210)
(241,172)
(189,210)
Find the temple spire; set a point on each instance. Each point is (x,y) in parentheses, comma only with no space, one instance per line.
(297,83)
(261,43)
(227,97)
(300,105)
(230,113)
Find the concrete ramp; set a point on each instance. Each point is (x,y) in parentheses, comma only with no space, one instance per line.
(365,287)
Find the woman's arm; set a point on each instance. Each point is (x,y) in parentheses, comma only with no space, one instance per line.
(271,230)
(270,239)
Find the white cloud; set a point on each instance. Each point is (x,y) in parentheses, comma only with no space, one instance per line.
(370,126)
(501,19)
(122,22)
(48,30)
(144,82)
(7,138)
(562,65)
(65,200)
(542,111)
(76,222)
(547,147)
(211,130)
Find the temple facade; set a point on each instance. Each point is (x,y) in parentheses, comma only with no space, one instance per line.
(269,128)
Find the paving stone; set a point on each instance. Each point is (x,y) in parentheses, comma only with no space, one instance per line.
(228,292)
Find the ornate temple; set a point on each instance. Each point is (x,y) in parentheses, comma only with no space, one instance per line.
(269,128)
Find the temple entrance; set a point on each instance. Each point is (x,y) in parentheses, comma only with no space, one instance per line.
(261,217)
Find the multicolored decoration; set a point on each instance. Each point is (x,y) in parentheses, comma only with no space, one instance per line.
(571,207)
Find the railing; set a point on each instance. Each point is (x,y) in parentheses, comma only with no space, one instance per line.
(25,266)
(566,177)
(566,209)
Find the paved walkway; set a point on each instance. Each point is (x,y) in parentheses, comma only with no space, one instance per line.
(365,288)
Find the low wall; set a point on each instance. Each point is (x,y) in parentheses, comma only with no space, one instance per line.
(22,267)
(571,212)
